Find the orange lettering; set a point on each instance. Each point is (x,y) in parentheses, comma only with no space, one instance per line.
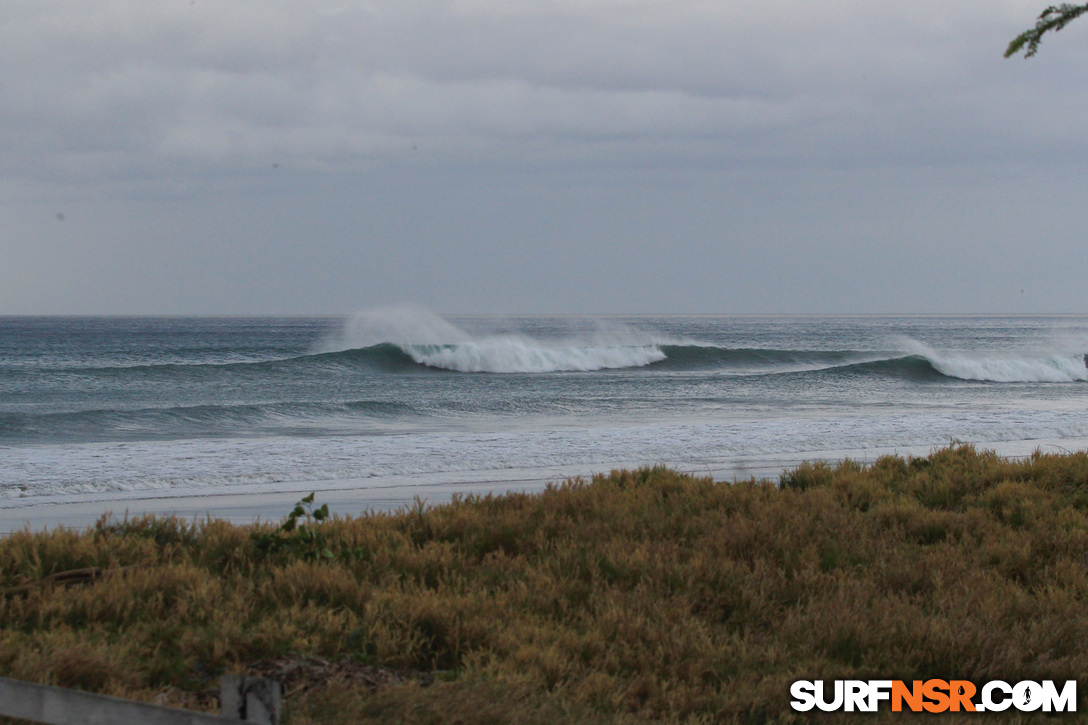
(932,690)
(912,696)
(961,698)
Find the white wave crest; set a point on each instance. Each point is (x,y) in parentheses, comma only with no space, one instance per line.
(998,368)
(430,340)
(510,354)
(403,325)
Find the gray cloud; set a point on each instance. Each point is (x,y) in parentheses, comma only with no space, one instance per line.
(159,82)
(243,143)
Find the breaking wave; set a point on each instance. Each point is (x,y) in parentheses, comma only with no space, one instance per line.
(407,340)
(1005,368)
(426,339)
(401,338)
(517,355)
(429,340)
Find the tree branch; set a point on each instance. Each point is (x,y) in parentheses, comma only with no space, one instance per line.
(1053,18)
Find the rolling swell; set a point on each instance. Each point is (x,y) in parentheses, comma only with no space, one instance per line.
(209,420)
(920,366)
(386,356)
(515,355)
(511,354)
(753,360)
(914,368)
(993,369)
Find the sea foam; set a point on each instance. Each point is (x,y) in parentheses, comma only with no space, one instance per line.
(510,354)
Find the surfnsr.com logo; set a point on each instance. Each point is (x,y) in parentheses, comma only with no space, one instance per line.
(933,696)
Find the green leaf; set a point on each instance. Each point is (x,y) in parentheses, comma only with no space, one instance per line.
(1053,18)
(1017,43)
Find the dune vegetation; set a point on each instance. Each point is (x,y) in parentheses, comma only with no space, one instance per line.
(639,596)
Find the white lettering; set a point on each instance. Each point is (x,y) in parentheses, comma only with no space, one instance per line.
(990,702)
(836,703)
(879,690)
(856,695)
(803,692)
(1066,701)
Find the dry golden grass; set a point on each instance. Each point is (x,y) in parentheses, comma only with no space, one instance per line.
(641,596)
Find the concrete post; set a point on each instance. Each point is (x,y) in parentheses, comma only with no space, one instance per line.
(60,706)
(252,699)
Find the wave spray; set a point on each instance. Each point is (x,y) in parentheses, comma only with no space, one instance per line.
(432,341)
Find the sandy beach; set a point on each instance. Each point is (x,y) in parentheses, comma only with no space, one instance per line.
(345,498)
(249,503)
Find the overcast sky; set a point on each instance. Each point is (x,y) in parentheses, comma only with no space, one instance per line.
(540,156)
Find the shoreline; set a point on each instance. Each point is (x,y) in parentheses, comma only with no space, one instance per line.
(352,497)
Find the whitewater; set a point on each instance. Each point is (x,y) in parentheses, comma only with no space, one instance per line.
(395,402)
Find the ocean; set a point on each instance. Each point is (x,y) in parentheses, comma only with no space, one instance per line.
(390,404)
